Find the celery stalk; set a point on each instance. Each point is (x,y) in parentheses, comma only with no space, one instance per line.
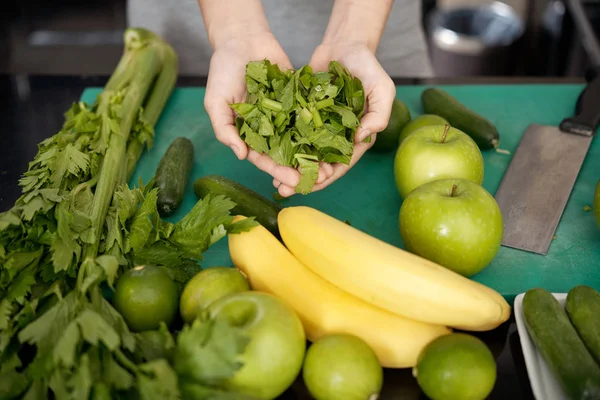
(161,91)
(146,65)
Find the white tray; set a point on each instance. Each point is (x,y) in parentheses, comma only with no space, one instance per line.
(543,384)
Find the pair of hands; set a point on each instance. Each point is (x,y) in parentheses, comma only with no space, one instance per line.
(226,84)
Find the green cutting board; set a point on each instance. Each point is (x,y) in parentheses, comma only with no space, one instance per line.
(366,196)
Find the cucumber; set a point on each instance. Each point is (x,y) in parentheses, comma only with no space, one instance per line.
(559,344)
(583,309)
(172,175)
(482,131)
(248,202)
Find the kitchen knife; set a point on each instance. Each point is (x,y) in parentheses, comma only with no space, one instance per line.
(540,177)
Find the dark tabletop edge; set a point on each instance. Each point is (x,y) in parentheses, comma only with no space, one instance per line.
(186,80)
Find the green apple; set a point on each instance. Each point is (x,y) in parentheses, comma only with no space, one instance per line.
(436,152)
(453,222)
(596,205)
(273,358)
(418,123)
(207,286)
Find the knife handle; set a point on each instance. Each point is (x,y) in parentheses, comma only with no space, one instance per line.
(587,108)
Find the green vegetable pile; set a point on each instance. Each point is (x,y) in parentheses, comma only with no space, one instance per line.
(299,117)
(77,226)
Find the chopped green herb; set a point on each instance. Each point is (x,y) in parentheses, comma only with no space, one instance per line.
(300,117)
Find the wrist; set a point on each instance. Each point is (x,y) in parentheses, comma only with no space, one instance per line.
(231,22)
(357,22)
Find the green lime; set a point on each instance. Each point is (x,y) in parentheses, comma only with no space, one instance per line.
(457,366)
(207,286)
(387,139)
(419,122)
(344,367)
(145,296)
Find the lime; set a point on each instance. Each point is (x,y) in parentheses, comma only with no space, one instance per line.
(145,296)
(344,367)
(419,122)
(207,286)
(387,139)
(457,366)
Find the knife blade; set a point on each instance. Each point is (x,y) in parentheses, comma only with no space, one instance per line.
(540,177)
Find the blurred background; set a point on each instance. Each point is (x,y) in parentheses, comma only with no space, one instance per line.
(522,37)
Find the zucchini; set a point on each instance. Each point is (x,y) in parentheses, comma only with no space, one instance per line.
(172,175)
(482,131)
(559,344)
(248,202)
(583,309)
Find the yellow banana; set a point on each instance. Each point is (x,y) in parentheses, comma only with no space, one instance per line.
(387,276)
(324,308)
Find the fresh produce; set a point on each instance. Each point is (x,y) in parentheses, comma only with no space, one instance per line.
(583,309)
(206,287)
(387,139)
(418,123)
(342,367)
(172,175)
(273,341)
(436,152)
(299,117)
(157,99)
(155,344)
(77,227)
(146,296)
(596,204)
(387,276)
(324,308)
(439,102)
(560,345)
(456,367)
(248,202)
(452,222)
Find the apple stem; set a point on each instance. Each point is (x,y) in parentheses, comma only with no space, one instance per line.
(446,128)
(453,190)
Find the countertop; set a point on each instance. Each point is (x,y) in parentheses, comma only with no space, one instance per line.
(32,109)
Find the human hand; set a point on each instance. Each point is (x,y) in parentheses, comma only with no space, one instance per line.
(226,84)
(380,92)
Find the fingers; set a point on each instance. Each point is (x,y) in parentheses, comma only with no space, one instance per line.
(320,58)
(286,175)
(326,169)
(340,169)
(222,120)
(379,102)
(286,191)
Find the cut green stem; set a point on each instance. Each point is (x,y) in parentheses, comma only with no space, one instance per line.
(301,100)
(306,115)
(272,104)
(324,103)
(316,116)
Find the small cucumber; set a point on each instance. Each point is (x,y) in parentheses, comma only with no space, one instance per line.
(439,102)
(559,344)
(248,202)
(583,309)
(172,175)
